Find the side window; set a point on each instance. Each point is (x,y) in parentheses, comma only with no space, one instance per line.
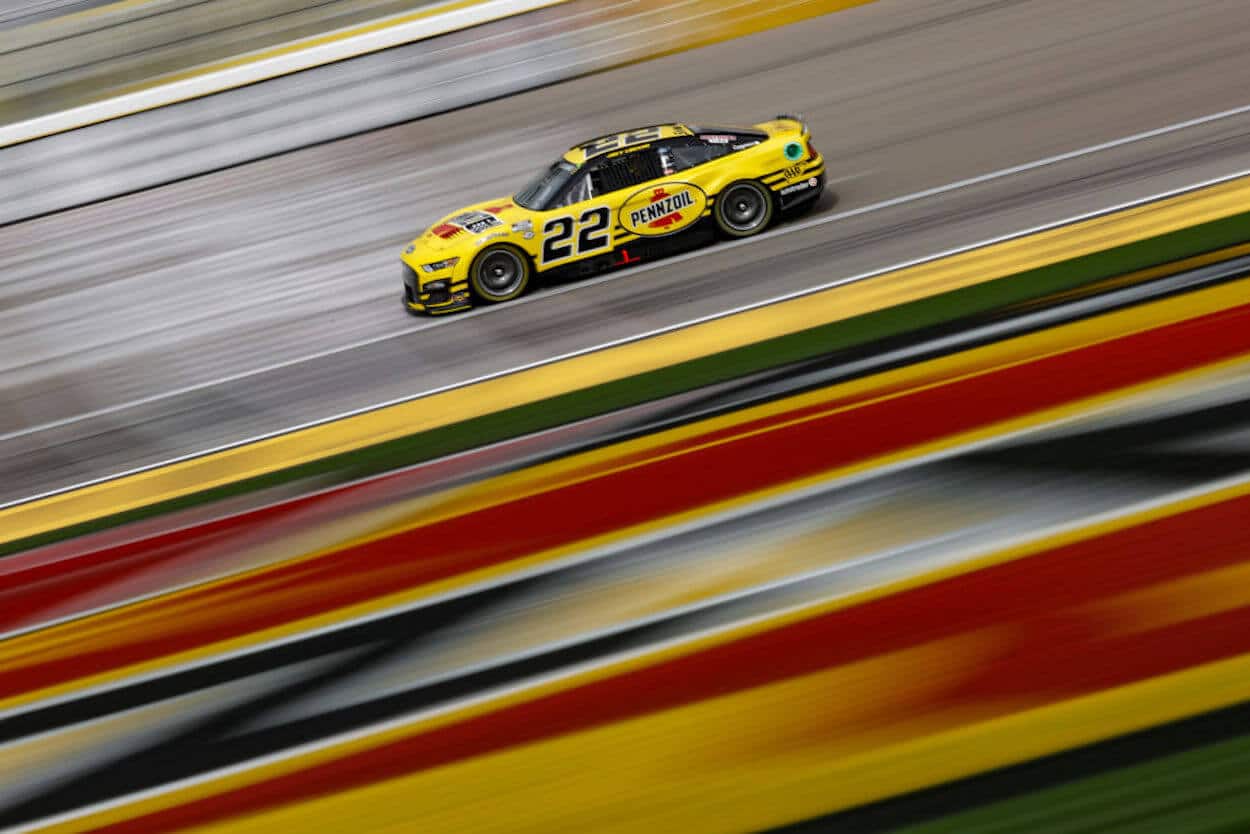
(681,155)
(581,188)
(625,171)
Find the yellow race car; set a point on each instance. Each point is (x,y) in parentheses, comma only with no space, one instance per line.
(614,201)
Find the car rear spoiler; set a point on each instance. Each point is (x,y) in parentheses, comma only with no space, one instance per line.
(794,117)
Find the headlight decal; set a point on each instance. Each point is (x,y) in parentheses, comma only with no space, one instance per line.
(439,266)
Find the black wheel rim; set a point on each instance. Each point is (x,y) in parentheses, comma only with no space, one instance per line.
(500,273)
(743,208)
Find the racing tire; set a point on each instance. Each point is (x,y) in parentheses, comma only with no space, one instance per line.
(743,208)
(499,273)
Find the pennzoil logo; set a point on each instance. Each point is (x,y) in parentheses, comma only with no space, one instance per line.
(663,209)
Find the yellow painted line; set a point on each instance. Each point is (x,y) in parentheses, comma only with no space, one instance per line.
(747,19)
(745,762)
(935,752)
(601,462)
(640,451)
(87,14)
(72,637)
(449,407)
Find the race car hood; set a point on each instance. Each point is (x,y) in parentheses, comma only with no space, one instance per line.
(470,223)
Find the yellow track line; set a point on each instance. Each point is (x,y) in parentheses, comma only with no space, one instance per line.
(691,769)
(87,14)
(68,638)
(449,407)
(768,15)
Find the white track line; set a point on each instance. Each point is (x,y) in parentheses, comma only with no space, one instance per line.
(272,62)
(663,263)
(787,229)
(539,363)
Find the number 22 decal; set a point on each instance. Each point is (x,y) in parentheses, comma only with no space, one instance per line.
(592,236)
(607,143)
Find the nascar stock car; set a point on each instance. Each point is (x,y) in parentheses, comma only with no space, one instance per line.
(614,201)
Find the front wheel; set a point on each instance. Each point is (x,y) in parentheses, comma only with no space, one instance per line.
(744,208)
(499,273)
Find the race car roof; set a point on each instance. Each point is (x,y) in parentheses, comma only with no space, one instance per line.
(582,152)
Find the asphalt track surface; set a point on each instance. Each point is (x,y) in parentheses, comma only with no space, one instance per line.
(52,57)
(23,12)
(252,300)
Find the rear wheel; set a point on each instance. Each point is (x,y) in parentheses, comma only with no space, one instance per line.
(499,273)
(744,208)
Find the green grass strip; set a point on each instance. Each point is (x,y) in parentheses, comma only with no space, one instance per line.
(1201,791)
(1031,286)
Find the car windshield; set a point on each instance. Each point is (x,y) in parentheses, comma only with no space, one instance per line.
(538,194)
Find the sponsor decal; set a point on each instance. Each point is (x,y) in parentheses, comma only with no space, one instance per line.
(411,248)
(608,143)
(457,297)
(803,186)
(626,259)
(793,172)
(475,222)
(567,235)
(630,149)
(499,208)
(663,209)
(717,138)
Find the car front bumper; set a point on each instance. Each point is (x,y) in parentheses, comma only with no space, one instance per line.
(451,303)
(434,302)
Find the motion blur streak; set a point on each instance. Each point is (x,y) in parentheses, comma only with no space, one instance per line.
(69,60)
(843,302)
(924,94)
(467,536)
(903,512)
(452,633)
(933,664)
(340,83)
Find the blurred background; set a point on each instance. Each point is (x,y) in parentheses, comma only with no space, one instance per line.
(926,511)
